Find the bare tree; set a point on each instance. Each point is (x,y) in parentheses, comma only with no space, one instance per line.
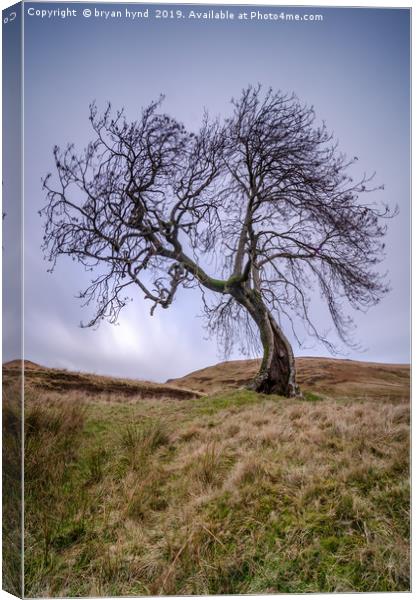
(264,198)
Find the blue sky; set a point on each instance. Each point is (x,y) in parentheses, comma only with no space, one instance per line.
(353,67)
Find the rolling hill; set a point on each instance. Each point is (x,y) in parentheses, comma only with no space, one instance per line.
(324,376)
(60,381)
(328,376)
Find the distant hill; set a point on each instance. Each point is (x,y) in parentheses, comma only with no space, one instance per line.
(16,364)
(328,376)
(60,380)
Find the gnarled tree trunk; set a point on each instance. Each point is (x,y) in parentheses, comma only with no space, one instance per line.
(277,371)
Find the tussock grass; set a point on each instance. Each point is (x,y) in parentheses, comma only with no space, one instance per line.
(234,493)
(54,503)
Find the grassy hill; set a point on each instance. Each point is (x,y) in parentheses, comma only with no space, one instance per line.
(328,376)
(61,381)
(134,488)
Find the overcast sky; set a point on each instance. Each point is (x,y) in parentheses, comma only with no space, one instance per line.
(353,67)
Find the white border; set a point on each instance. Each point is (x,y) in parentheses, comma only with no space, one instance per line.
(335,3)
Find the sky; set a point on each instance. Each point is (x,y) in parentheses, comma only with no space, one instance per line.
(353,67)
(12,185)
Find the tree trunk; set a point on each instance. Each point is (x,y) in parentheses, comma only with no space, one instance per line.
(277,371)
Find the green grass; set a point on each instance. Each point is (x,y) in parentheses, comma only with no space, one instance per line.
(234,493)
(311,397)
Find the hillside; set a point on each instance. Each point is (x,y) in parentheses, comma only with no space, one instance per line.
(134,488)
(324,376)
(60,381)
(327,376)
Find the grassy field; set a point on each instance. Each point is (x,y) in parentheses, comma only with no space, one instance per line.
(233,492)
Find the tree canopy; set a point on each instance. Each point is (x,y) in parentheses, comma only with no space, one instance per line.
(257,209)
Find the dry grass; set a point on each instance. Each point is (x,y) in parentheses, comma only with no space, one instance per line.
(12,476)
(62,381)
(232,493)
